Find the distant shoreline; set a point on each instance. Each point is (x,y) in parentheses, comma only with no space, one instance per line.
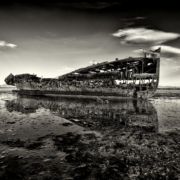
(6,89)
(167,92)
(168,88)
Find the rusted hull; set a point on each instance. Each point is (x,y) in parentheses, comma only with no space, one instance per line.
(107,93)
(130,77)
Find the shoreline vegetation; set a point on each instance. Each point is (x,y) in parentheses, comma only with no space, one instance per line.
(167,92)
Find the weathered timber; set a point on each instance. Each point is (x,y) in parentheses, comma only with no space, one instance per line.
(134,77)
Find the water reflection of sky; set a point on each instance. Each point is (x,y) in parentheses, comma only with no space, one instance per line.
(164,113)
(128,138)
(168,113)
(92,114)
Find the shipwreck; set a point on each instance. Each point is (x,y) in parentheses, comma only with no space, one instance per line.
(134,77)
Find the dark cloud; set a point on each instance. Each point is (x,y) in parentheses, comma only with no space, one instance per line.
(112,5)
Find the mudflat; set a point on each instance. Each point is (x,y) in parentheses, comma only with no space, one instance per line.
(59,138)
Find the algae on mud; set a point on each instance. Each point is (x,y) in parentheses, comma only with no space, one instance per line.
(42,138)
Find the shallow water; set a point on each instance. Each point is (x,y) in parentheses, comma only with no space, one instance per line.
(50,138)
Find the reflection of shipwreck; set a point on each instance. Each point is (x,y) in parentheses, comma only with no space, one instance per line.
(130,114)
(131,77)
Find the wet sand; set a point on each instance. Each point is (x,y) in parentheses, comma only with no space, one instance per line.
(50,138)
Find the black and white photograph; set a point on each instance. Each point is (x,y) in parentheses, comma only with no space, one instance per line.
(89,90)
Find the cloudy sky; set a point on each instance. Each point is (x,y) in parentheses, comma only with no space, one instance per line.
(52,39)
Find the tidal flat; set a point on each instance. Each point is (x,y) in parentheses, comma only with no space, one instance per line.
(50,139)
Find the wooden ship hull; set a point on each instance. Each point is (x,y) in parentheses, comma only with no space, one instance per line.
(131,77)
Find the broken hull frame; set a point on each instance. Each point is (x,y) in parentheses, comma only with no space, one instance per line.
(131,77)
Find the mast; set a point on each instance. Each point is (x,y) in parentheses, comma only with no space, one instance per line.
(158,67)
